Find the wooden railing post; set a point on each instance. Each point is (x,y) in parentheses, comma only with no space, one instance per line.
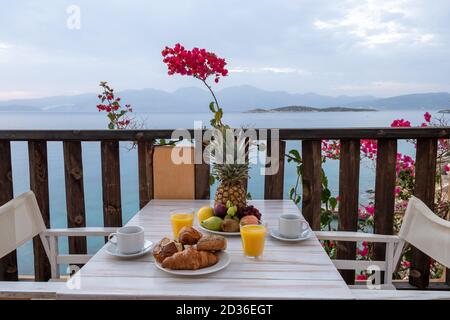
(311,181)
(145,160)
(202,171)
(112,203)
(348,205)
(76,213)
(424,189)
(8,264)
(274,184)
(37,152)
(384,193)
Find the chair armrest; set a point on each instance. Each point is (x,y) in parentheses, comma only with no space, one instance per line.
(355,236)
(80,232)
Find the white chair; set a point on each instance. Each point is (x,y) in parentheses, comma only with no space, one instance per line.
(421,228)
(21,221)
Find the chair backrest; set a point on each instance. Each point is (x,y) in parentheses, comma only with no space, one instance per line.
(20,221)
(422,228)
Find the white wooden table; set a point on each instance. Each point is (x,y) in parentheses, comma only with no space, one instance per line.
(286,270)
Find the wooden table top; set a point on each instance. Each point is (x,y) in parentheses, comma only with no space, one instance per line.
(286,271)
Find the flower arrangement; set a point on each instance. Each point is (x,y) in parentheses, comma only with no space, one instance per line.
(200,64)
(232,175)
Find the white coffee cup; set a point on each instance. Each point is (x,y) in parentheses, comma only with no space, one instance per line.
(291,226)
(128,239)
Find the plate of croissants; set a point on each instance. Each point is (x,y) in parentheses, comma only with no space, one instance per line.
(192,254)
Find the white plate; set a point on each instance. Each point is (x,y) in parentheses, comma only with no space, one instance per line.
(220,232)
(224,261)
(305,235)
(111,249)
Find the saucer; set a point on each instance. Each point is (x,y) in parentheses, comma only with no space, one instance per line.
(305,235)
(112,250)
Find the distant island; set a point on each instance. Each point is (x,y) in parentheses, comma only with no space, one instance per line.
(310,109)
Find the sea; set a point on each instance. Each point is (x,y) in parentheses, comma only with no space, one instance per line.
(128,157)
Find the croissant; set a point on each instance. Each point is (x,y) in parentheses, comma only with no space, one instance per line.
(189,235)
(190,259)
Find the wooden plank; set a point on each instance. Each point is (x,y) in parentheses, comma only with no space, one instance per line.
(425,185)
(384,193)
(285,134)
(37,152)
(145,163)
(348,205)
(311,181)
(112,203)
(76,212)
(274,184)
(202,172)
(8,264)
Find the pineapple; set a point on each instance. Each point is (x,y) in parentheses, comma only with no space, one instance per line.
(232,173)
(233,178)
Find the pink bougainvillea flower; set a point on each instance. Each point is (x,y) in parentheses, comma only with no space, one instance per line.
(370,209)
(198,63)
(361,277)
(447,168)
(400,123)
(427,117)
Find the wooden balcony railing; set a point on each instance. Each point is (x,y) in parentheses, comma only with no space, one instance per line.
(311,199)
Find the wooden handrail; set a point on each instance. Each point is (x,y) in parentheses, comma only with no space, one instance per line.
(285,134)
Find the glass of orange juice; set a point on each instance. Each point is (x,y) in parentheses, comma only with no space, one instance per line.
(253,237)
(182,217)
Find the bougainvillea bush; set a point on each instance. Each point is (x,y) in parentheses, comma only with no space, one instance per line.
(404,189)
(117,113)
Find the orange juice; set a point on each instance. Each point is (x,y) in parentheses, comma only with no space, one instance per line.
(180,220)
(253,237)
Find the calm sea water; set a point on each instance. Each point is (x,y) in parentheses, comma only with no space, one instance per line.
(128,158)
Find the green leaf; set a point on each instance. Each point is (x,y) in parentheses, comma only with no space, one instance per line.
(111,126)
(212,180)
(249,196)
(295,154)
(326,193)
(333,202)
(211,107)
(291,193)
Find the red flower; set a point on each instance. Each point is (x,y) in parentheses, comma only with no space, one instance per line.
(399,123)
(361,277)
(198,63)
(427,117)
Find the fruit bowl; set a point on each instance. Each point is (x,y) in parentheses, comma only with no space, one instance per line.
(222,233)
(225,219)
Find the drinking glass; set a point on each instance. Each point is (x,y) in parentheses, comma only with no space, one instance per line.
(181,217)
(253,238)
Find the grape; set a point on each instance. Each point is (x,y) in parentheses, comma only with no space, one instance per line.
(251,211)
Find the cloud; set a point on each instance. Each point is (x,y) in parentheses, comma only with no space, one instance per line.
(378,22)
(282,70)
(4,46)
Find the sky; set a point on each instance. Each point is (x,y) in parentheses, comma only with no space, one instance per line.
(339,47)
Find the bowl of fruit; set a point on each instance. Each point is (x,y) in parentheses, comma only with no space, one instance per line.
(226,219)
